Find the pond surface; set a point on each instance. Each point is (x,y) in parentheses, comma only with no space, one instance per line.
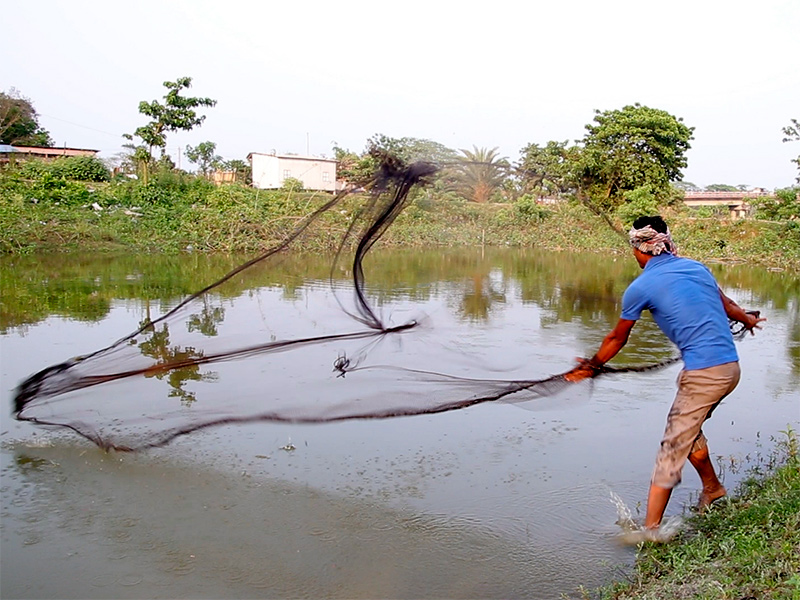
(494,501)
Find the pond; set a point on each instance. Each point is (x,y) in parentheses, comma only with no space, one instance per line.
(499,500)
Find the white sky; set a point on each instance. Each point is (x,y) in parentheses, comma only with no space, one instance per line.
(295,76)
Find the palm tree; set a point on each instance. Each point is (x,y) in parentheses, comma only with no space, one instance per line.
(479,173)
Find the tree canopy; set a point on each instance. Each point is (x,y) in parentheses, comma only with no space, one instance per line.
(546,170)
(479,174)
(204,156)
(629,148)
(19,122)
(177,113)
(792,133)
(355,168)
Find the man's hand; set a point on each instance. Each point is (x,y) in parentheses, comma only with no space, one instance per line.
(585,370)
(752,320)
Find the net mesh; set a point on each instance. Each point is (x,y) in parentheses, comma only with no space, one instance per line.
(322,369)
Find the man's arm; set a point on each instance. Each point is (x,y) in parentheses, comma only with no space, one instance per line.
(611,345)
(737,313)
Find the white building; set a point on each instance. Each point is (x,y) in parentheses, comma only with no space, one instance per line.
(270,170)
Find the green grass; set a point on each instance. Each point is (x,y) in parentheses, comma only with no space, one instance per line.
(745,547)
(184,212)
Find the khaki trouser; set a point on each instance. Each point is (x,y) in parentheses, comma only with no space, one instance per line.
(699,393)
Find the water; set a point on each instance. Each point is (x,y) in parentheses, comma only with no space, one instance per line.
(493,501)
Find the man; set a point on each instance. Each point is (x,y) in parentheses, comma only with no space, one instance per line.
(688,306)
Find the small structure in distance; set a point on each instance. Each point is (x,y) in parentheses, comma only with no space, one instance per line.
(271,170)
(734,202)
(50,153)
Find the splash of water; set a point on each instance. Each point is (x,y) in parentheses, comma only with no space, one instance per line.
(633,533)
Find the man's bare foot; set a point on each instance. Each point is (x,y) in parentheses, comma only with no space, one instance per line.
(708,497)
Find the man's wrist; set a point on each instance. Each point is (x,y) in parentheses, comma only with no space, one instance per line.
(595,363)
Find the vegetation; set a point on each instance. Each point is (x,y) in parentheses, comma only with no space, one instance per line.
(546,171)
(747,547)
(625,166)
(784,207)
(479,174)
(177,113)
(204,156)
(69,168)
(628,149)
(43,209)
(792,133)
(19,122)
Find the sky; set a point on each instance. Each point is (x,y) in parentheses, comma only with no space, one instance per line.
(302,76)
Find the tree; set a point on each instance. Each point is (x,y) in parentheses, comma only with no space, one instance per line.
(350,167)
(721,187)
(792,133)
(546,170)
(785,206)
(203,156)
(686,186)
(479,174)
(177,113)
(242,171)
(356,169)
(629,148)
(19,122)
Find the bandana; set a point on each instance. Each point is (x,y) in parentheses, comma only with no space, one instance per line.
(650,241)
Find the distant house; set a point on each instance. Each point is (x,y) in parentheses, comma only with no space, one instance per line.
(6,152)
(50,153)
(270,171)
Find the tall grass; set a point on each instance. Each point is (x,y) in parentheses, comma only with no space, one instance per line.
(177,212)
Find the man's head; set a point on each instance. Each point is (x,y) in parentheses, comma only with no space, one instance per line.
(649,237)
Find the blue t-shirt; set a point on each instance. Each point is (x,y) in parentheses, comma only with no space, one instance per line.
(683,297)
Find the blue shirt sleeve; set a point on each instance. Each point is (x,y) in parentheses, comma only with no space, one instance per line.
(634,301)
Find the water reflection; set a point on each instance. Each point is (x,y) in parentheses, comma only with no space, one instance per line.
(157,346)
(567,287)
(491,501)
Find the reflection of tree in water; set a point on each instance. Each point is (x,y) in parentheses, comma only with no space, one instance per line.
(476,302)
(208,319)
(794,339)
(158,347)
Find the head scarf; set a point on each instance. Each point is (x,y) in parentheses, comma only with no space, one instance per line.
(650,241)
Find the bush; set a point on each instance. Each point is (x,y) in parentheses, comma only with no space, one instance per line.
(73,168)
(529,209)
(785,205)
(292,184)
(640,202)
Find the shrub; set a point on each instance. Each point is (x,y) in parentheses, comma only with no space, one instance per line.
(529,209)
(74,168)
(292,184)
(785,205)
(640,202)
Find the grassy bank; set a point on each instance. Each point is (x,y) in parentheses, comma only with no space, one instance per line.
(47,216)
(746,547)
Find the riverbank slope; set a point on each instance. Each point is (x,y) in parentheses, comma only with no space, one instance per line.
(239,219)
(745,547)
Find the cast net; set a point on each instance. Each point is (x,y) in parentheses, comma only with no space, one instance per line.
(355,364)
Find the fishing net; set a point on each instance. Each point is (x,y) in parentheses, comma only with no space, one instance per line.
(271,364)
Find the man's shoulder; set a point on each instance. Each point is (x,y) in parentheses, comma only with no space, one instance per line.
(681,263)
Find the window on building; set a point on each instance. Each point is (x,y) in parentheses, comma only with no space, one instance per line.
(326,176)
(287,173)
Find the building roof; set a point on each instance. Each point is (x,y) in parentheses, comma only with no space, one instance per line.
(5,148)
(53,151)
(293,156)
